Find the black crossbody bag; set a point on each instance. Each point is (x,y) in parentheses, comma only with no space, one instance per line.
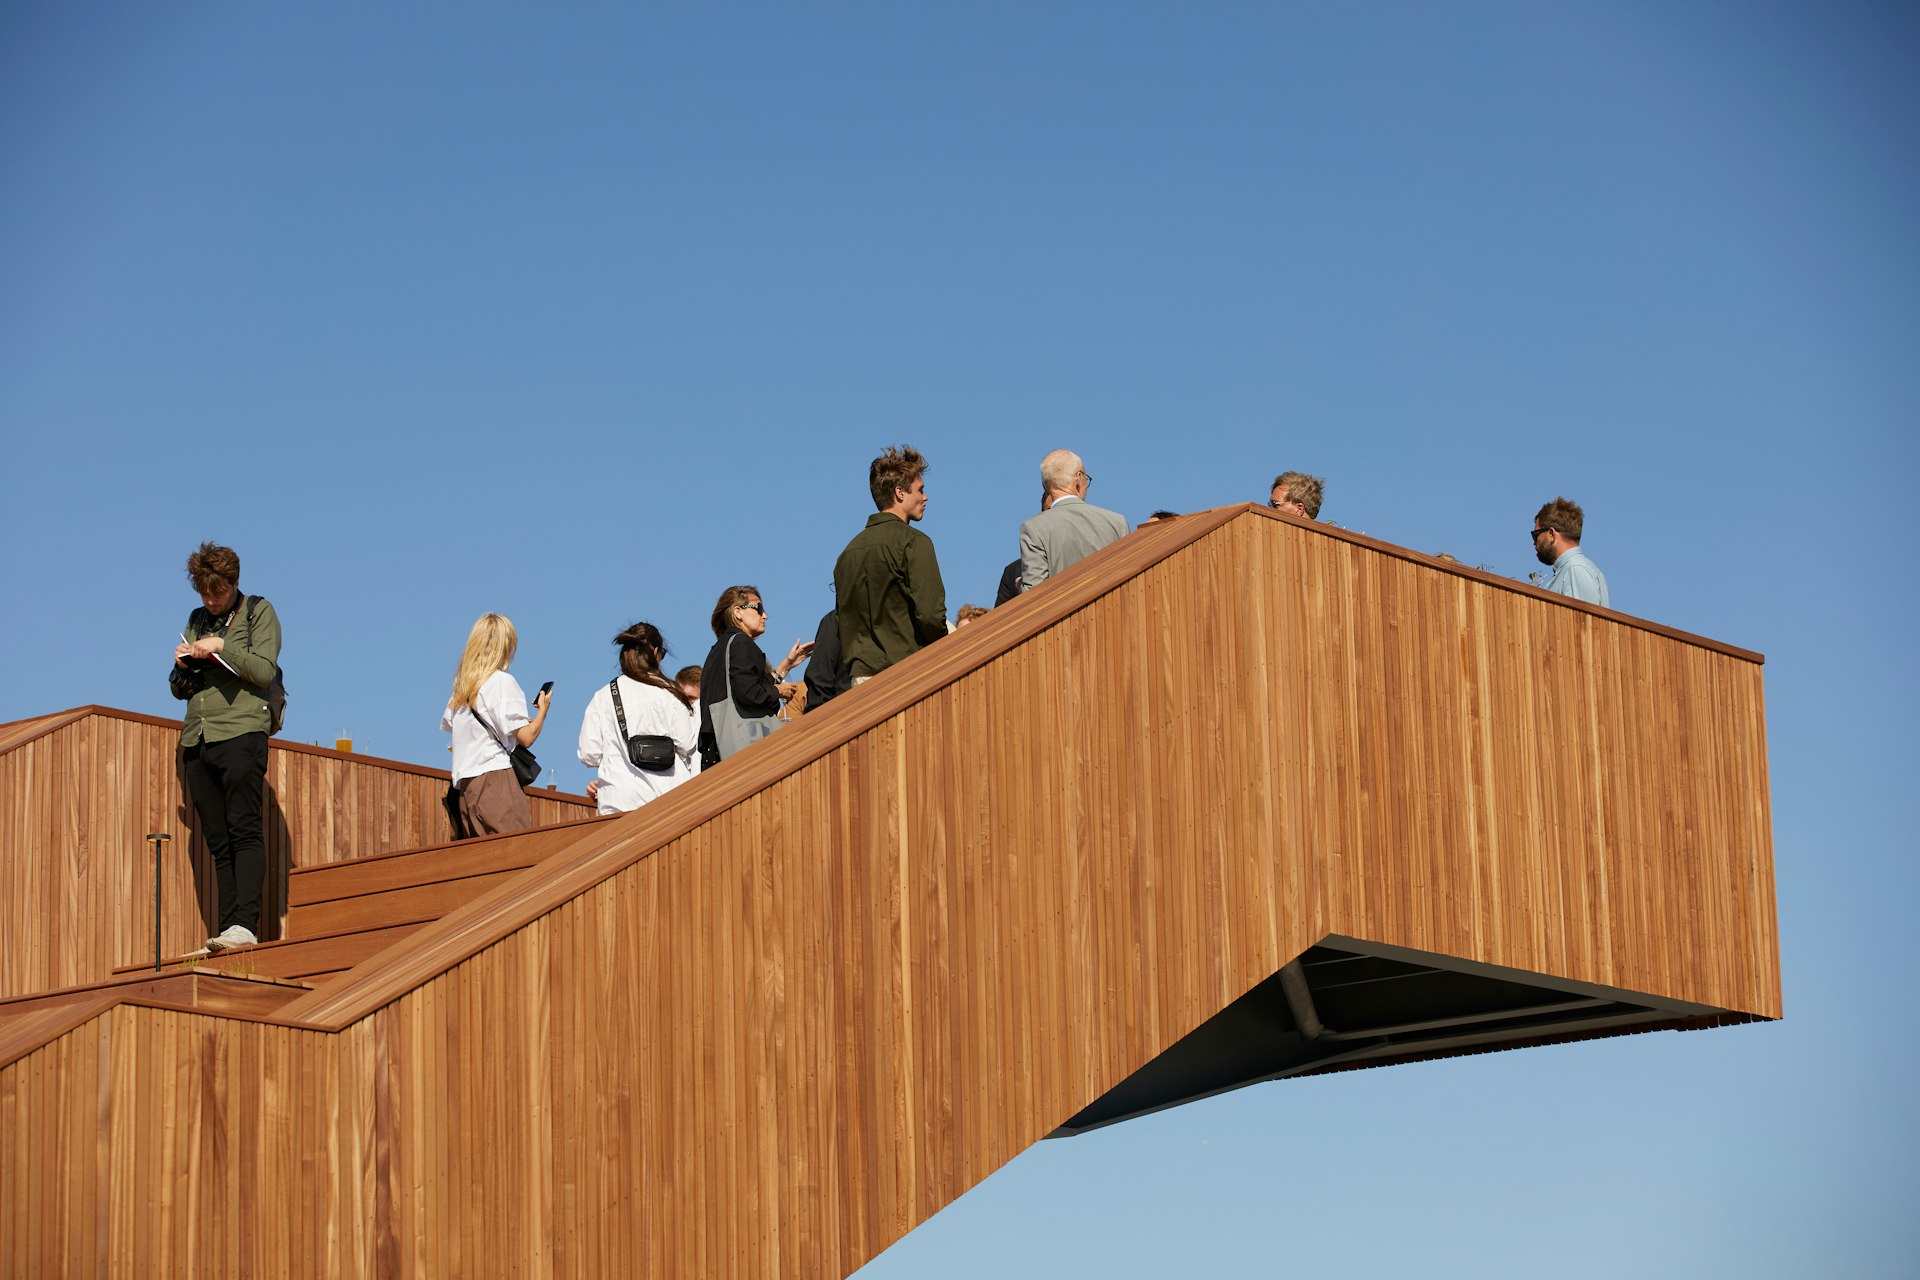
(653,752)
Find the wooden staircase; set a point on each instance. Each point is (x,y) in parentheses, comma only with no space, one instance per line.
(341,913)
(81,789)
(1066,867)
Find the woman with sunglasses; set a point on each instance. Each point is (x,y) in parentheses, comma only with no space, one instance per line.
(737,664)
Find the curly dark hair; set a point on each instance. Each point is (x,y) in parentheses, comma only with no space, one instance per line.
(1563,515)
(894,469)
(213,565)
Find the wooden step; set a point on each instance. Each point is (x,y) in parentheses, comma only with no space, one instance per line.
(301,959)
(188,988)
(413,884)
(428,901)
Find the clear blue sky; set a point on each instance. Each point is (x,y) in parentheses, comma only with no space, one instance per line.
(583,312)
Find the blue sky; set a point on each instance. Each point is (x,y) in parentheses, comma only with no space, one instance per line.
(584,312)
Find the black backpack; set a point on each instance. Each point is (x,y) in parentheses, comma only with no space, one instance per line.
(276,691)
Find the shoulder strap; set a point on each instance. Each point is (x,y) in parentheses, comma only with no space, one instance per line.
(619,712)
(473,709)
(727,667)
(224,627)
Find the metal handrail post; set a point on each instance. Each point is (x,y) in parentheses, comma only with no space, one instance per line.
(156,839)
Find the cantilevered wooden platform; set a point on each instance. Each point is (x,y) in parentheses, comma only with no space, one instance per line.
(1238,798)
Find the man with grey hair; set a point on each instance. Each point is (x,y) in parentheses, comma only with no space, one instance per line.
(1071,528)
(1297,494)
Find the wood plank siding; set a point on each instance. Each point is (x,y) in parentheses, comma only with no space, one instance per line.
(79,791)
(767,1024)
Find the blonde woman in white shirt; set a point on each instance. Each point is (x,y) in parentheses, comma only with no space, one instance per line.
(489,709)
(651,705)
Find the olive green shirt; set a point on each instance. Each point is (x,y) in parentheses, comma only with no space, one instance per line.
(888,596)
(220,703)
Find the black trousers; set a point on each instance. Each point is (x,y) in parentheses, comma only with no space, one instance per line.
(228,783)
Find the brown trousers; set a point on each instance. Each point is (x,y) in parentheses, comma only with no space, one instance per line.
(492,802)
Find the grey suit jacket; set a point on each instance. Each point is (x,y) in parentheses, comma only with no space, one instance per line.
(1072,530)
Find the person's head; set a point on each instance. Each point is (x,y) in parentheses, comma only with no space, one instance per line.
(642,648)
(215,571)
(1556,528)
(897,479)
(1062,474)
(688,678)
(1161,514)
(968,612)
(490,648)
(740,607)
(1297,493)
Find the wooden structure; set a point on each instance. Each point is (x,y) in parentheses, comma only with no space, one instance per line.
(80,790)
(1154,830)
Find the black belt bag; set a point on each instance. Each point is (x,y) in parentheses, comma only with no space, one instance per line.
(650,752)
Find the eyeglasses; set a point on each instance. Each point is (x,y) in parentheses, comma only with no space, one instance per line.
(1538,532)
(757,607)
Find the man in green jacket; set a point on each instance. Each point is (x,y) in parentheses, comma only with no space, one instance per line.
(888,597)
(223,669)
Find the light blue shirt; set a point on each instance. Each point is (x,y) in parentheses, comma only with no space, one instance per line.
(1575,575)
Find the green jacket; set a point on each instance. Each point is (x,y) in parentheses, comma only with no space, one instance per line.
(888,596)
(220,703)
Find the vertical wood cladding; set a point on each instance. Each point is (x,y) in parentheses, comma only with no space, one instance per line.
(772,1021)
(80,791)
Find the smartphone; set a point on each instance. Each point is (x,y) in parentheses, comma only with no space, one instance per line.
(545,688)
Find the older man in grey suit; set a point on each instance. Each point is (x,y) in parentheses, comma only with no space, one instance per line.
(1071,528)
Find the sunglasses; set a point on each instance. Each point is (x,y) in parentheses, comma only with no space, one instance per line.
(760,609)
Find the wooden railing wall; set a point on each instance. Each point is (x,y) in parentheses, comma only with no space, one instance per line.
(80,791)
(770,1022)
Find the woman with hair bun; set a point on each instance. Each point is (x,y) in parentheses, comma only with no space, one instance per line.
(654,750)
(488,710)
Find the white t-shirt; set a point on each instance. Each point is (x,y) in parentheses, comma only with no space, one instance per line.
(649,709)
(477,749)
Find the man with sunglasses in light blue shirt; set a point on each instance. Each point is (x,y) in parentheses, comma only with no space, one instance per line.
(1556,541)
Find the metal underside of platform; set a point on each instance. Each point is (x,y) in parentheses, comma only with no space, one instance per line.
(1347,1003)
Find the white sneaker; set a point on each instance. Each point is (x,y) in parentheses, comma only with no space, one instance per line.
(234,935)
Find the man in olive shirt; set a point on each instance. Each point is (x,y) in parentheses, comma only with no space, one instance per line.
(223,669)
(887,593)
